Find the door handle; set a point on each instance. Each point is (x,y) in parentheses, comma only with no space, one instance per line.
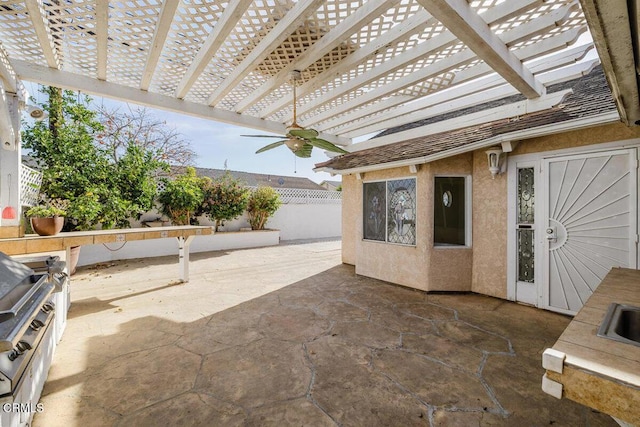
(550,234)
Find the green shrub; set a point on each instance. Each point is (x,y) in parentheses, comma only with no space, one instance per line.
(263,203)
(182,197)
(225,198)
(41,211)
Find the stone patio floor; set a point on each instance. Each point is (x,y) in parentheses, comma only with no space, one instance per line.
(287,335)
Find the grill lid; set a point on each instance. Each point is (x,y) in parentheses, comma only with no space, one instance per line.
(12,273)
(17,283)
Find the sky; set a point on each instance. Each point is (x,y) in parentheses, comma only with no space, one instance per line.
(216,143)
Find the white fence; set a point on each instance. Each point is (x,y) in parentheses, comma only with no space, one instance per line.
(304,214)
(308,197)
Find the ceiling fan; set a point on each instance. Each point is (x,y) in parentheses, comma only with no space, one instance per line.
(298,139)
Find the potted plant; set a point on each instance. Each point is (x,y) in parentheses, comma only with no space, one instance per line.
(46,220)
(263,203)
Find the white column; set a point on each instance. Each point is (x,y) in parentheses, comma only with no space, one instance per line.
(10,161)
(183,255)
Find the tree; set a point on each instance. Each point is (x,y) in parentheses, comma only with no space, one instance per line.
(225,198)
(99,189)
(182,197)
(139,127)
(263,203)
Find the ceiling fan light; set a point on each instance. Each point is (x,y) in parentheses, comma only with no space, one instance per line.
(294,144)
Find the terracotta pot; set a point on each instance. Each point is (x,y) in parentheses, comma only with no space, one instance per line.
(74,255)
(47,226)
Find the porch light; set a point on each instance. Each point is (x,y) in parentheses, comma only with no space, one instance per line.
(493,156)
(37,113)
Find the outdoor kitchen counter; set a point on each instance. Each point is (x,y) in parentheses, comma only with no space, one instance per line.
(598,372)
(31,244)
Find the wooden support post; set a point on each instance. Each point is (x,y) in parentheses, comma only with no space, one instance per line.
(183,255)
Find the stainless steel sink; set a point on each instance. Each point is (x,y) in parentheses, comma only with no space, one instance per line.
(621,323)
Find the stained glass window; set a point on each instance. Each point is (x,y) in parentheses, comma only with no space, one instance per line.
(526,195)
(390,211)
(525,255)
(375,203)
(402,211)
(526,217)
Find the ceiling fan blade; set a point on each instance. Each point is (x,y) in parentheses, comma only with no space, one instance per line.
(304,133)
(326,145)
(270,146)
(304,151)
(265,136)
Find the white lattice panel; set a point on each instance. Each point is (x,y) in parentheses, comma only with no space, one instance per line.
(258,20)
(340,81)
(131,29)
(191,25)
(30,181)
(18,37)
(308,197)
(73,28)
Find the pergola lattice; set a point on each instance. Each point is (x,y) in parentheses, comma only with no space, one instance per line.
(366,65)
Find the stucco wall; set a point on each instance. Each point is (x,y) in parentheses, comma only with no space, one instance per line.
(490,202)
(481,268)
(351,201)
(450,268)
(400,264)
(489,274)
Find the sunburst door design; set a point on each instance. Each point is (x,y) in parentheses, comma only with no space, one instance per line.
(590,224)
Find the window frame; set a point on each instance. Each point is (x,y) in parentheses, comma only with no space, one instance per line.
(386,229)
(468,212)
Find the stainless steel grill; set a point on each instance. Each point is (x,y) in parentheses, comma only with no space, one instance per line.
(26,315)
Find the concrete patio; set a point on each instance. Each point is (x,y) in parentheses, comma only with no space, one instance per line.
(287,335)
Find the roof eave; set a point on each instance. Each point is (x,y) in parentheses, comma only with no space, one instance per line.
(554,128)
(612,28)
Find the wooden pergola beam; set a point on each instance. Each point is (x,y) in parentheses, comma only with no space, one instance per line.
(102,36)
(417,110)
(167,12)
(618,43)
(48,76)
(354,105)
(226,23)
(473,31)
(7,73)
(40,23)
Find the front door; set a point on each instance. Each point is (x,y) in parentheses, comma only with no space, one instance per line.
(590,224)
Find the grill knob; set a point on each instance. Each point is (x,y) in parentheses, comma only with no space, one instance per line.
(47,307)
(13,355)
(23,346)
(36,324)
